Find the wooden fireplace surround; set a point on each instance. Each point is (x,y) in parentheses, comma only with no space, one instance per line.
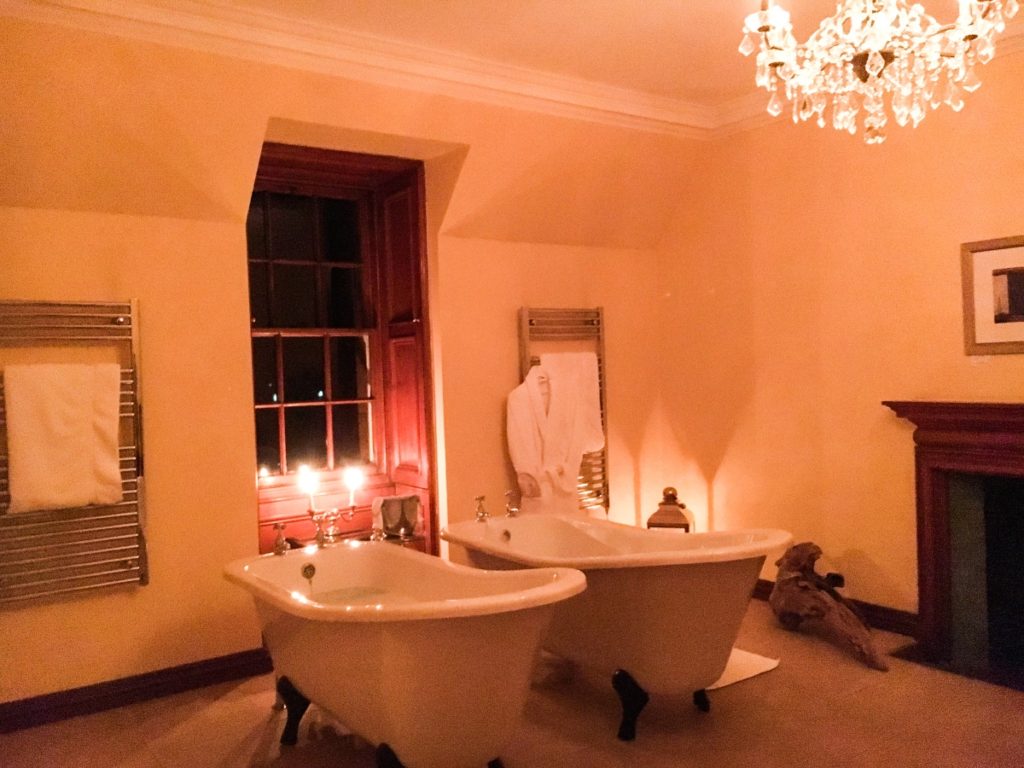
(968,438)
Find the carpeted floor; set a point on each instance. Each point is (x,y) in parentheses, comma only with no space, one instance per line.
(817,709)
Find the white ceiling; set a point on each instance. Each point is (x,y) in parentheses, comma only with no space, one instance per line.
(668,65)
(680,49)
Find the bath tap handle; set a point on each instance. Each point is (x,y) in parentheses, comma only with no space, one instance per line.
(481,513)
(318,521)
(280,544)
(511,510)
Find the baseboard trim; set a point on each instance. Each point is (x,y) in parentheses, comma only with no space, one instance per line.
(51,707)
(878,616)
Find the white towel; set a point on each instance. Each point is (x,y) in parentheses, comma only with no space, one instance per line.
(62,430)
(398,515)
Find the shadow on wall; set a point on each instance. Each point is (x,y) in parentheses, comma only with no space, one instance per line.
(708,359)
(857,561)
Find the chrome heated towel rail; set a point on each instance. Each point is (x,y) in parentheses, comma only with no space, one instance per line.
(55,552)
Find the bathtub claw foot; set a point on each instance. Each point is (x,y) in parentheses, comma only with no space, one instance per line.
(633,699)
(296,705)
(386,757)
(701,700)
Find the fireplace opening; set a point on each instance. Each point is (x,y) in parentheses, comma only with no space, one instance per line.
(1004,540)
(986,517)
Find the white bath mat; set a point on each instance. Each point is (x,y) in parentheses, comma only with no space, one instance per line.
(743,665)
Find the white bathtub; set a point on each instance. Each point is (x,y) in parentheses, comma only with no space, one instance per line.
(429,658)
(662,606)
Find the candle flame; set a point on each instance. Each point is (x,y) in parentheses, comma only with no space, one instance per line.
(353,478)
(308,481)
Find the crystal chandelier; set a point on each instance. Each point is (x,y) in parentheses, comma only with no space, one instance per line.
(869,53)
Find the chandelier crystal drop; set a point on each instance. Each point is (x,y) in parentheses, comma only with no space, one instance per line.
(873,54)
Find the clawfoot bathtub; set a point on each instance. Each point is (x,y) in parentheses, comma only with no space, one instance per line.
(426,659)
(662,608)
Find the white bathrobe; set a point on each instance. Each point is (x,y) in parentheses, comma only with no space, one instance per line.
(526,420)
(554,417)
(574,419)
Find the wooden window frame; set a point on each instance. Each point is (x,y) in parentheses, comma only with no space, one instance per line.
(376,183)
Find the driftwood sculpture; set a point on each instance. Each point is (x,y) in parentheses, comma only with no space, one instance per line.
(802,599)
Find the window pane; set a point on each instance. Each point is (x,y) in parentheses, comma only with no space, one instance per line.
(268,452)
(350,378)
(264,371)
(341,230)
(344,297)
(294,296)
(259,299)
(255,228)
(303,370)
(305,431)
(352,429)
(292,227)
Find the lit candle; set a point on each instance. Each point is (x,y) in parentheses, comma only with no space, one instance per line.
(308,483)
(353,479)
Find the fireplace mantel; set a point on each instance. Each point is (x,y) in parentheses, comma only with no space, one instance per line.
(968,438)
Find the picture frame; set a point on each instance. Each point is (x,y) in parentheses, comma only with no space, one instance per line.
(992,278)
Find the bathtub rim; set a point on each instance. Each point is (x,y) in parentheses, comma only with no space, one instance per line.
(770,538)
(560,584)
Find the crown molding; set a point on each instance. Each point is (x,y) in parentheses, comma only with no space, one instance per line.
(215,27)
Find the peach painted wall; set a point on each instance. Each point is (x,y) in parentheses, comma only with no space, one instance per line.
(129,168)
(822,276)
(763,293)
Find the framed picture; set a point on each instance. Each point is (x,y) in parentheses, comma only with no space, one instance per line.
(992,273)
